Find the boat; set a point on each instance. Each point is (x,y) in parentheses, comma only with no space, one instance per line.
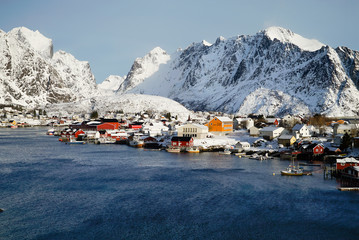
(225,152)
(292,171)
(103,140)
(73,141)
(193,150)
(258,157)
(76,142)
(173,150)
(136,143)
(50,132)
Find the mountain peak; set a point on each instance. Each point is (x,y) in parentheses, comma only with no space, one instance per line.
(34,39)
(287,36)
(157,50)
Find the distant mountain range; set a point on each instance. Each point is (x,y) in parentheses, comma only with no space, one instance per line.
(274,72)
(32,76)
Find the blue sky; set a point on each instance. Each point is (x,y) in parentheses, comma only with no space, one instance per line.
(111,34)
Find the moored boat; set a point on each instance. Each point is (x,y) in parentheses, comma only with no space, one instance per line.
(173,150)
(225,152)
(193,150)
(292,171)
(136,143)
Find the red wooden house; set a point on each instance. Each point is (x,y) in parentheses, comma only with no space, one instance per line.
(346,162)
(113,122)
(182,142)
(135,125)
(107,126)
(318,149)
(313,148)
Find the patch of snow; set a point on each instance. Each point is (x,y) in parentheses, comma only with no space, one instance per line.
(285,35)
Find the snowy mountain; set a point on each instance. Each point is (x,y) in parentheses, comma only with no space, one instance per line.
(31,75)
(144,68)
(112,83)
(273,72)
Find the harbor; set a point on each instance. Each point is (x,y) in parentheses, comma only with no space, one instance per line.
(54,191)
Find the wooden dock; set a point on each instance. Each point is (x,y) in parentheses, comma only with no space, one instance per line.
(348,188)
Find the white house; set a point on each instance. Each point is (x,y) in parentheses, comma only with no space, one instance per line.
(192,130)
(254,131)
(154,129)
(271,132)
(345,128)
(243,146)
(245,123)
(301,131)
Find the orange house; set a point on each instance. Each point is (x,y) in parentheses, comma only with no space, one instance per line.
(220,125)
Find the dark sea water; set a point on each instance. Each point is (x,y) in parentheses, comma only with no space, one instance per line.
(50,190)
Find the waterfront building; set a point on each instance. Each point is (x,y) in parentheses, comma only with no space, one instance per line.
(220,125)
(194,130)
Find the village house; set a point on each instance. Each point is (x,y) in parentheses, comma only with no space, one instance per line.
(154,129)
(192,130)
(273,121)
(271,132)
(312,149)
(179,142)
(301,131)
(253,131)
(135,125)
(286,140)
(351,129)
(242,146)
(243,123)
(351,172)
(220,125)
(346,162)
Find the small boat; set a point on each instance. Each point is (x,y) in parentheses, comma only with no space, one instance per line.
(192,150)
(75,142)
(225,152)
(258,157)
(50,132)
(136,143)
(173,150)
(107,140)
(292,171)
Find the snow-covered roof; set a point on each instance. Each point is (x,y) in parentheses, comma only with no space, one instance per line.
(297,127)
(347,160)
(224,119)
(286,137)
(271,129)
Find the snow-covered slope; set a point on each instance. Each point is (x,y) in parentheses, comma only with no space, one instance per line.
(144,68)
(128,103)
(273,72)
(112,83)
(31,75)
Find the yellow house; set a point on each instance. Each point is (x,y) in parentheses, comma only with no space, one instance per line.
(286,140)
(220,125)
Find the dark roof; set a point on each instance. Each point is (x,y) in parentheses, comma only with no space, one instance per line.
(108,120)
(136,123)
(183,139)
